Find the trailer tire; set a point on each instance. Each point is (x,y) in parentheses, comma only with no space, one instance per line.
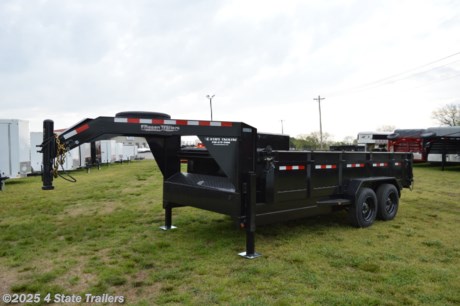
(388,202)
(363,211)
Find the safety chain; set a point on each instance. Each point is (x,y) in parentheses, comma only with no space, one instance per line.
(61,152)
(60,156)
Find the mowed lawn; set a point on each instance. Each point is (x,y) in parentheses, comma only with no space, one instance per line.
(101,236)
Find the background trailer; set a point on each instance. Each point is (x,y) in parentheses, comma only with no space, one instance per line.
(442,144)
(14,148)
(408,140)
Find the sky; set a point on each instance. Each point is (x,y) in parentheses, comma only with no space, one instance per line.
(376,63)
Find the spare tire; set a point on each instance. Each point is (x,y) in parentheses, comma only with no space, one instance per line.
(143,115)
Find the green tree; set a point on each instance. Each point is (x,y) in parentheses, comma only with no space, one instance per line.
(310,141)
(347,141)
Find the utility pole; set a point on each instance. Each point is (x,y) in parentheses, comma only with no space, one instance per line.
(210,102)
(320,124)
(282,127)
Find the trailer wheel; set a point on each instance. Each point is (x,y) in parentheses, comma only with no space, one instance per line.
(363,211)
(388,202)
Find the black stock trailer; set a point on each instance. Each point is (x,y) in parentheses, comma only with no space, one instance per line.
(252,177)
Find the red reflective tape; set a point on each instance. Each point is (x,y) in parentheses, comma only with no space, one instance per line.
(292,167)
(173,122)
(325,166)
(181,122)
(355,165)
(82,128)
(134,120)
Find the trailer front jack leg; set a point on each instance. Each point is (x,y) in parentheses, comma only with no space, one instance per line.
(250,246)
(49,152)
(168,220)
(250,222)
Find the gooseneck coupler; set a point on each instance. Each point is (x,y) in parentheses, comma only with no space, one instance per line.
(48,150)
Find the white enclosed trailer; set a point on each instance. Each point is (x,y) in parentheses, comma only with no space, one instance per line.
(14,148)
(118,152)
(36,159)
(129,152)
(373,141)
(107,149)
(85,154)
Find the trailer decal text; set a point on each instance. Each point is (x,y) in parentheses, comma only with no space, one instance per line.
(221,141)
(159,128)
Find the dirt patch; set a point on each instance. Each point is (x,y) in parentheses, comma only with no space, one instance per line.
(139,285)
(7,279)
(76,280)
(78,210)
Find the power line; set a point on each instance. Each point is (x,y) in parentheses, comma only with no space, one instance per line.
(440,80)
(388,79)
(421,72)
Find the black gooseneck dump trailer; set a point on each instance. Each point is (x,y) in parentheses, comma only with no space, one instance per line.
(251,177)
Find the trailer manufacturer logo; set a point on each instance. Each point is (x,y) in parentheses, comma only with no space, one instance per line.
(221,141)
(159,128)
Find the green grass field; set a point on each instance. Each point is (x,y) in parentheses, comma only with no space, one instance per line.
(101,235)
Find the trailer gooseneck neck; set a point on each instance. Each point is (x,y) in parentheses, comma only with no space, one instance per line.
(251,177)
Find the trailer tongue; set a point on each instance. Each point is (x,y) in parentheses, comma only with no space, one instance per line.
(251,177)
